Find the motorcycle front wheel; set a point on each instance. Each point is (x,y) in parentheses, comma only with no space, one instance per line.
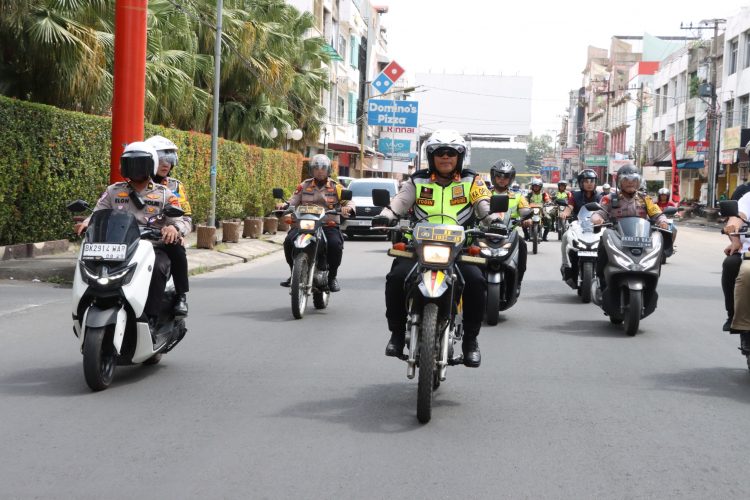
(427,353)
(493,303)
(300,278)
(535,238)
(587,276)
(99,357)
(633,312)
(560,229)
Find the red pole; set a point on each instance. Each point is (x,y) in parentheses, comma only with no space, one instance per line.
(129,79)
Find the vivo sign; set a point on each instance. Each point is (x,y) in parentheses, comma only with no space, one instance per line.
(392,113)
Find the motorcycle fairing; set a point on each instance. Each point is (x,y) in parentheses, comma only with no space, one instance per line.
(432,284)
(303,240)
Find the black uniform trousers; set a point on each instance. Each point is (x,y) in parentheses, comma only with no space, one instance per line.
(474,296)
(334,249)
(178,259)
(730,268)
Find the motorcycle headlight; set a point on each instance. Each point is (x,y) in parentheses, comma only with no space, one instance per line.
(307,225)
(436,254)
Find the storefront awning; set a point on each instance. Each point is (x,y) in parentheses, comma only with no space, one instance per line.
(346,147)
(692,165)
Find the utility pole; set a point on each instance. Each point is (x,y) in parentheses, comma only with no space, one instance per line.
(215,114)
(639,129)
(712,122)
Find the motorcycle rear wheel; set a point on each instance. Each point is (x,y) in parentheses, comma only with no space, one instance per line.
(99,357)
(493,303)
(633,312)
(427,353)
(300,278)
(587,276)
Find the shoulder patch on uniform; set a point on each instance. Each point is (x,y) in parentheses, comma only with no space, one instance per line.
(122,194)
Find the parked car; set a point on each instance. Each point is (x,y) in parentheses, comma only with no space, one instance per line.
(362,197)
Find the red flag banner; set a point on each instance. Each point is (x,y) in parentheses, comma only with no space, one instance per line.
(675,173)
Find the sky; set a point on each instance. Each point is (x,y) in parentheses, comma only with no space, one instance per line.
(546,40)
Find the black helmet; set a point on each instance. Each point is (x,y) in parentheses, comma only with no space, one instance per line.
(585,174)
(503,168)
(628,172)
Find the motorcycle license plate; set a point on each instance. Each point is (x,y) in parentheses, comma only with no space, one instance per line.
(587,254)
(636,242)
(104,251)
(535,218)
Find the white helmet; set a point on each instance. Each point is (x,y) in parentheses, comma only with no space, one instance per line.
(166,149)
(450,139)
(663,191)
(139,161)
(606,186)
(319,161)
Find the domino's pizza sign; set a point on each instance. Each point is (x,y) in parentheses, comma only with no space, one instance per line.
(385,80)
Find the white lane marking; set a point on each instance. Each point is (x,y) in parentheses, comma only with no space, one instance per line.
(18,309)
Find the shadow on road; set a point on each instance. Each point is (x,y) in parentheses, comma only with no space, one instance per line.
(269,315)
(717,382)
(379,408)
(592,328)
(559,298)
(66,380)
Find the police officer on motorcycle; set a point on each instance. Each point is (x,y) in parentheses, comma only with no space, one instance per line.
(627,202)
(320,190)
(586,193)
(503,173)
(538,196)
(167,151)
(144,198)
(562,191)
(445,188)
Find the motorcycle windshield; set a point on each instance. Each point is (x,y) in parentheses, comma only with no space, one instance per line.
(584,219)
(634,232)
(113,226)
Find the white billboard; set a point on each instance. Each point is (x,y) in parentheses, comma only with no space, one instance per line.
(474,104)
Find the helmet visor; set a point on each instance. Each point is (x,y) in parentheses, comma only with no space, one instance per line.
(137,168)
(169,157)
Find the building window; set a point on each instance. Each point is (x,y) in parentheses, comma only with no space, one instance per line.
(744,102)
(691,129)
(342,46)
(702,130)
(657,100)
(341,111)
(729,115)
(732,64)
(354,52)
(352,107)
(747,49)
(664,94)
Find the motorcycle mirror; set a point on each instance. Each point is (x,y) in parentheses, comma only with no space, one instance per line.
(346,194)
(562,203)
(670,211)
(593,206)
(499,203)
(77,206)
(172,211)
(728,208)
(381,197)
(278,193)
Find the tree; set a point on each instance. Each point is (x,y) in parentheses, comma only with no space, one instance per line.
(538,148)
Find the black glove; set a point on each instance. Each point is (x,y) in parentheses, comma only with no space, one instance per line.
(382,221)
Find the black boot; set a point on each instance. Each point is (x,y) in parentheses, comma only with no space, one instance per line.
(180,305)
(395,347)
(333,284)
(545,233)
(287,283)
(470,347)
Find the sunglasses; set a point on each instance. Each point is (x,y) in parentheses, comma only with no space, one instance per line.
(503,175)
(451,153)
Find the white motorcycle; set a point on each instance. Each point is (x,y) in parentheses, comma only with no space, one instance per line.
(110,287)
(582,248)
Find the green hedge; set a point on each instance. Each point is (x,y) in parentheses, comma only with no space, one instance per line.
(49,157)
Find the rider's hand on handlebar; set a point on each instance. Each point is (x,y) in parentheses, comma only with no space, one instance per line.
(382,221)
(170,234)
(733,247)
(346,211)
(526,223)
(664,225)
(80,228)
(280,206)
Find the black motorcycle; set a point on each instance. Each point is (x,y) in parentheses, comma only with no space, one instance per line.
(634,253)
(433,297)
(310,268)
(499,245)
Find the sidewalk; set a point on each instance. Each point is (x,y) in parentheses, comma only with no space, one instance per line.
(59,267)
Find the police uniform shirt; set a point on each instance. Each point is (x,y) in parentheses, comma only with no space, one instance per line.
(328,195)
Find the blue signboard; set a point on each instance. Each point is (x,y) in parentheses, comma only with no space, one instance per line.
(381,84)
(395,113)
(399,147)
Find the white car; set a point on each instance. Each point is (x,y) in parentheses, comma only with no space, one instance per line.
(362,197)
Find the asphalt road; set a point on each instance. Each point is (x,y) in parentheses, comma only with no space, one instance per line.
(255,404)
